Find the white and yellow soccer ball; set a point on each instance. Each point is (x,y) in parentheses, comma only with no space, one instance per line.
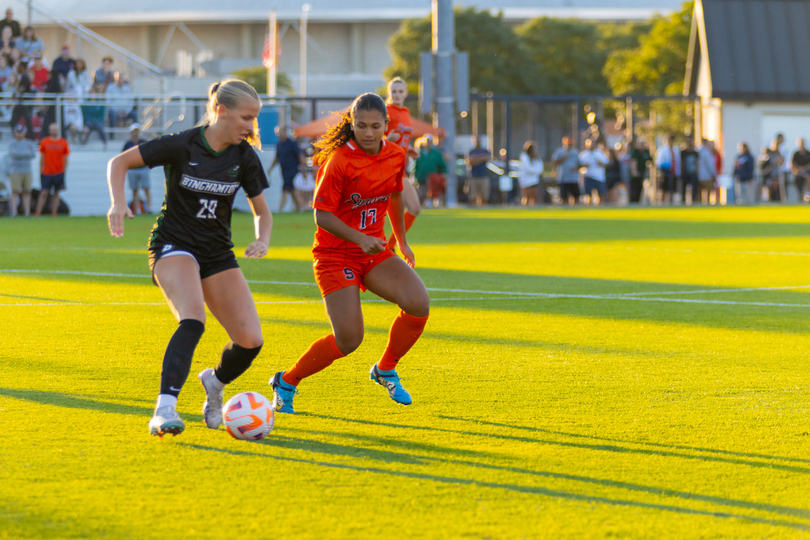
(248,416)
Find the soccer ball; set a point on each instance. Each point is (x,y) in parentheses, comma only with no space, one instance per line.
(248,416)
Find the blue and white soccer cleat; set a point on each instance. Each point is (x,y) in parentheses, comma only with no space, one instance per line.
(283,394)
(166,420)
(212,408)
(390,380)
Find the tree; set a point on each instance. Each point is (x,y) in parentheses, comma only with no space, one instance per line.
(564,54)
(257,78)
(498,61)
(658,64)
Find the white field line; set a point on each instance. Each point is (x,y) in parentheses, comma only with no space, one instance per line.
(437,289)
(490,298)
(505,295)
(547,247)
(142,276)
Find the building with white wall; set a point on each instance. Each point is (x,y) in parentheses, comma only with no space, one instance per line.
(749,63)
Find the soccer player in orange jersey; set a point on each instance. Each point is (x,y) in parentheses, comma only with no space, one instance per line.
(360,181)
(399,131)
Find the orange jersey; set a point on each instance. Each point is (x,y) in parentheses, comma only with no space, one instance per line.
(53,152)
(399,120)
(357,188)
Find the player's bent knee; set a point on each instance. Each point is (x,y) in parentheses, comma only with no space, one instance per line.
(348,343)
(417,305)
(251,342)
(417,311)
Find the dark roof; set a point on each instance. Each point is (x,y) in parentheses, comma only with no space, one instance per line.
(758,50)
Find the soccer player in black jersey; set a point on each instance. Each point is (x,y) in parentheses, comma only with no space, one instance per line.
(190,251)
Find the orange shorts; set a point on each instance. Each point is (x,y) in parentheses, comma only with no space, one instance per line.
(333,273)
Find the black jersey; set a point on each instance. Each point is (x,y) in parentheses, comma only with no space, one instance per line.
(200,188)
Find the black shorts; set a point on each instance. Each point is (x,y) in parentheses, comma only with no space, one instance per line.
(289,181)
(51,182)
(666,181)
(208,265)
(569,188)
(612,181)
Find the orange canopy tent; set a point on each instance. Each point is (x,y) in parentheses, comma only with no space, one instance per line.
(319,127)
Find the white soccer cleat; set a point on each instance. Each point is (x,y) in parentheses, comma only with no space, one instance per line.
(212,408)
(166,420)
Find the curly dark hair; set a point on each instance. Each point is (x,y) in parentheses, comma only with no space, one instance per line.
(341,133)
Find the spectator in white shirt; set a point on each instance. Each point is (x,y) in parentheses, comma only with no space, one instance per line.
(668,163)
(79,79)
(595,161)
(120,103)
(531,167)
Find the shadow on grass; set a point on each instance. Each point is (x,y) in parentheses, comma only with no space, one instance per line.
(519,488)
(84,402)
(786,510)
(450,228)
(778,311)
(74,401)
(473,290)
(399,443)
(38,298)
(660,445)
(320,447)
(598,447)
(491,341)
(87,403)
(580,297)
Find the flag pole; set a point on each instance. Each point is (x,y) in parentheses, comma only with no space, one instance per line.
(271,71)
(302,85)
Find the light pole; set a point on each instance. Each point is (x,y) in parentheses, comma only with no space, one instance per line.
(443,48)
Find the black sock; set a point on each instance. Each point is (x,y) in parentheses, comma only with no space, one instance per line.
(179,352)
(235,361)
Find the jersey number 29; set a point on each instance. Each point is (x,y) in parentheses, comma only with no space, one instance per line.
(208,210)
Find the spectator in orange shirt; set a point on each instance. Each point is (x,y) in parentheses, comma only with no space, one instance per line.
(52,167)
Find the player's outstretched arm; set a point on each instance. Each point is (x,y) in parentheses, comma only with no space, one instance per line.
(263,223)
(396,214)
(117,169)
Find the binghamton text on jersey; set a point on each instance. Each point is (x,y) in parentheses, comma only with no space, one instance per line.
(200,188)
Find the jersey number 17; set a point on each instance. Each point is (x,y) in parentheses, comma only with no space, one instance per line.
(368,217)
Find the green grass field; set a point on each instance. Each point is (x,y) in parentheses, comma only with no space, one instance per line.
(606,373)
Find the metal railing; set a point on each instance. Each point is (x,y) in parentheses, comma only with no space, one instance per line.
(156,113)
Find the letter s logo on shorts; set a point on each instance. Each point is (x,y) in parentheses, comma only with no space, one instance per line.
(348,273)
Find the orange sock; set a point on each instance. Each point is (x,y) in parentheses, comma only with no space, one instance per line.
(409,219)
(319,356)
(405,330)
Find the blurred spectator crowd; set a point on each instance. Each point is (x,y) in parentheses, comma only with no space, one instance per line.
(96,101)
